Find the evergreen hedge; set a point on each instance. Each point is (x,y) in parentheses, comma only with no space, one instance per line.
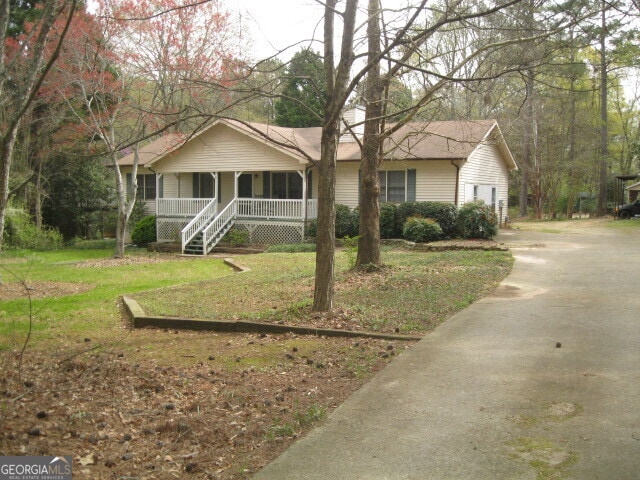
(144,232)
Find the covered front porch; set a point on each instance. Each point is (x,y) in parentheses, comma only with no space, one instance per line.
(273,207)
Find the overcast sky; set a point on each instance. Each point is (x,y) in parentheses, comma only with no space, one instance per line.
(276,24)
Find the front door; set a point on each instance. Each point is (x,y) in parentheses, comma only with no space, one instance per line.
(245,185)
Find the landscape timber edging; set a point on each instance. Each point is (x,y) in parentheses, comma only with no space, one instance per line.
(141,320)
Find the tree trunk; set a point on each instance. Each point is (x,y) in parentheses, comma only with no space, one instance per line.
(38,197)
(326,236)
(371,150)
(572,170)
(6,152)
(337,94)
(604,132)
(527,148)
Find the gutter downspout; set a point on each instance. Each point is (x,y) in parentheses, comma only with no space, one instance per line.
(457,163)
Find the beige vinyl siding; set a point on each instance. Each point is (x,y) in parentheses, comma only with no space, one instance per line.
(347,179)
(484,167)
(435,180)
(223,149)
(227,188)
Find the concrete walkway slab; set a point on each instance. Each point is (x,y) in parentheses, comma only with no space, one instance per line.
(539,381)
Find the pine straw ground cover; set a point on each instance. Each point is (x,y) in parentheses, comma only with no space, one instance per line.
(146,404)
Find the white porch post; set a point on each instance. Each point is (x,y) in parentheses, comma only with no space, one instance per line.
(215,183)
(235,184)
(158,177)
(177,175)
(304,195)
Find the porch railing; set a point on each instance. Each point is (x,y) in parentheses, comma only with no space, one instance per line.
(247,208)
(213,231)
(181,207)
(270,209)
(199,222)
(312,208)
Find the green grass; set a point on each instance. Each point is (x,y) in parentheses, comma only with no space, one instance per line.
(548,460)
(94,310)
(632,225)
(310,417)
(415,291)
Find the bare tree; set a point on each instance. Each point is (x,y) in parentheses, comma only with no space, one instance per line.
(410,49)
(338,90)
(128,82)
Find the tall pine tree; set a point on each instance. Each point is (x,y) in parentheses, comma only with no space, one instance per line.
(304,92)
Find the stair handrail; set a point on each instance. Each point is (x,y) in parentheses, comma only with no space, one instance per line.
(198,222)
(217,225)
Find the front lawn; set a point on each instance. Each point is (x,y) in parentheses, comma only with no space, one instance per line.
(152,403)
(413,293)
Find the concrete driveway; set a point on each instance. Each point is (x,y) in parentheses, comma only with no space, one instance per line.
(539,381)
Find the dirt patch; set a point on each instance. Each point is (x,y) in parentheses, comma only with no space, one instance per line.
(133,260)
(15,290)
(121,415)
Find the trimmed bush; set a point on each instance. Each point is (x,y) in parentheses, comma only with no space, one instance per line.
(347,222)
(446,214)
(144,232)
(477,220)
(389,221)
(311,229)
(417,229)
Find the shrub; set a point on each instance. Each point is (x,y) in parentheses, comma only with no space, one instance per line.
(477,220)
(446,214)
(350,245)
(389,221)
(236,237)
(21,232)
(144,232)
(417,229)
(311,229)
(347,222)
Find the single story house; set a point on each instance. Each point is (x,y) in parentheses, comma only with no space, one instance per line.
(262,178)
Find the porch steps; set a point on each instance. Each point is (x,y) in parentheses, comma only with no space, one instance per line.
(194,247)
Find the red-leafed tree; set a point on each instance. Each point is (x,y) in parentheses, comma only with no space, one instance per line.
(25,62)
(135,69)
(182,47)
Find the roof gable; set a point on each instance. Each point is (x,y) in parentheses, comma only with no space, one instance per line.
(448,140)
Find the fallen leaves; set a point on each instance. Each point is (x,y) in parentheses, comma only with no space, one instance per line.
(129,417)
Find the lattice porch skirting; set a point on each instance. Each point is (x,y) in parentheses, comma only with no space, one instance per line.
(261,232)
(272,233)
